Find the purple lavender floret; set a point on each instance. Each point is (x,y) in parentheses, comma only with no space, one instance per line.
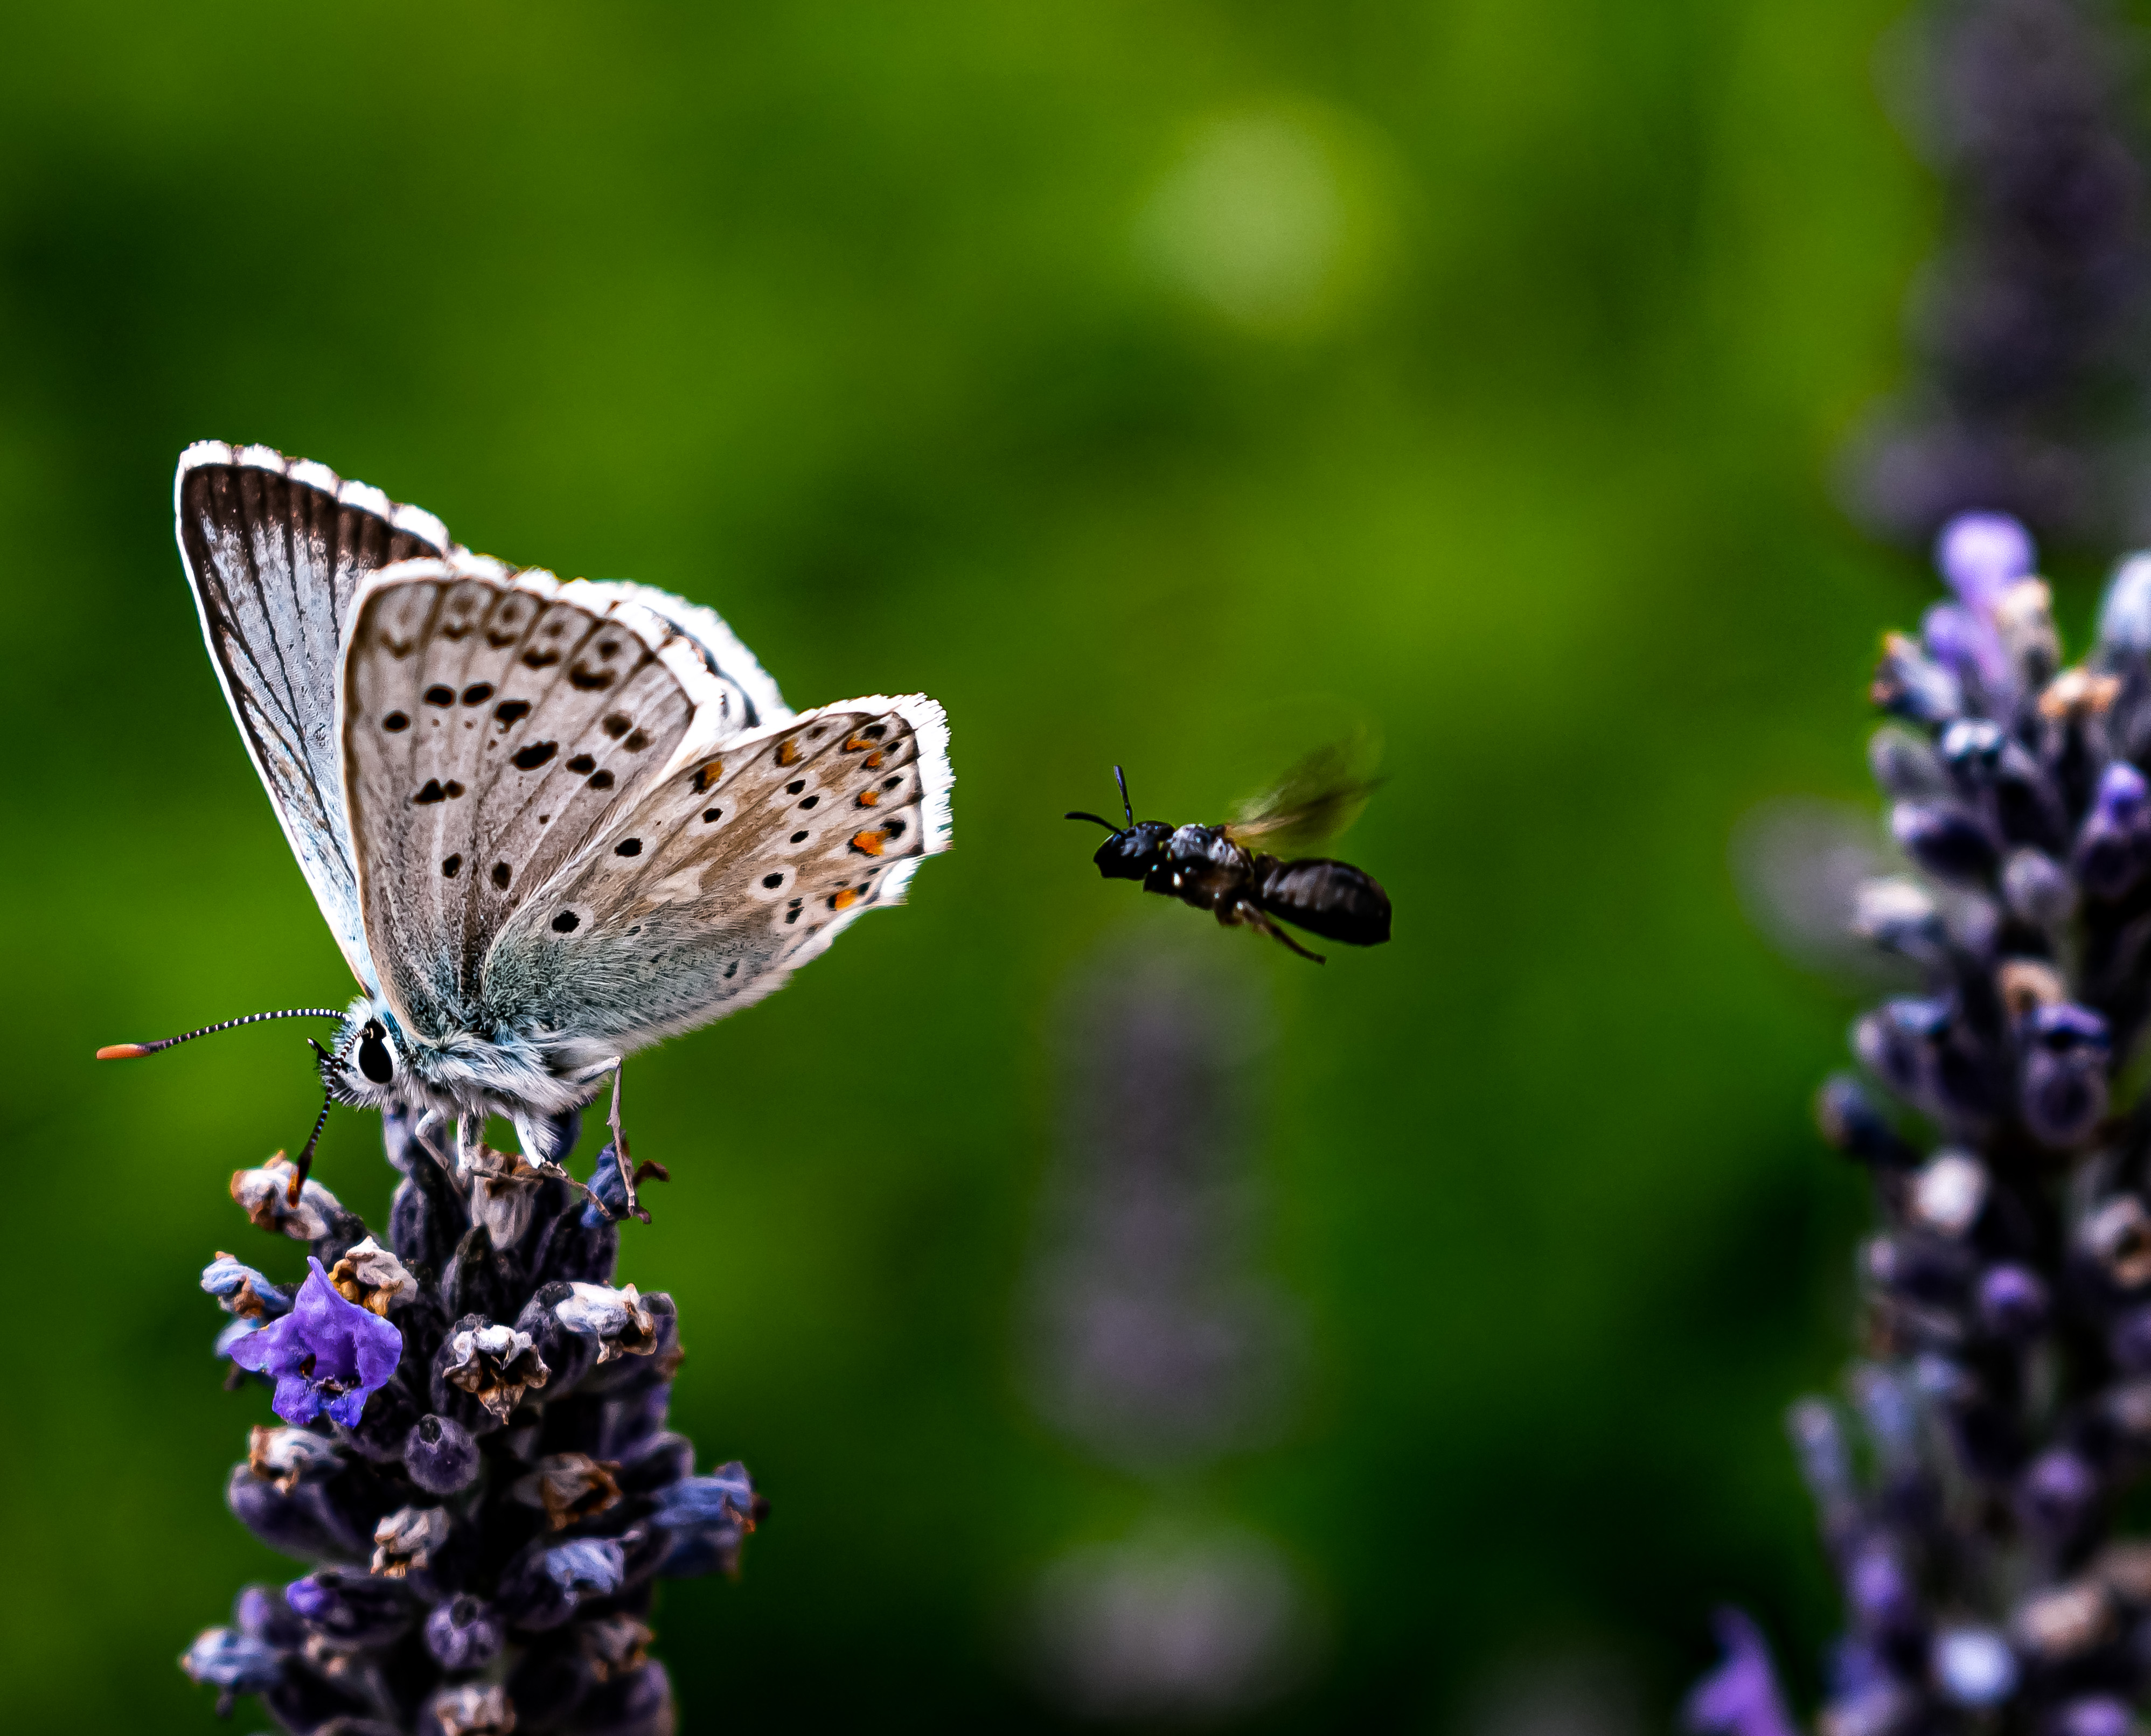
(325,1355)
(472,1463)
(1741,1697)
(1969,1481)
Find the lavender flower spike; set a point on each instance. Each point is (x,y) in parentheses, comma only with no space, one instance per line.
(486,1507)
(327,1355)
(1741,1697)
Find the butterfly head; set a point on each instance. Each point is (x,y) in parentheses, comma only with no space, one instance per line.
(369,1061)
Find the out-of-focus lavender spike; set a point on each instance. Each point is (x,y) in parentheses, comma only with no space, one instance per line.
(2007,1284)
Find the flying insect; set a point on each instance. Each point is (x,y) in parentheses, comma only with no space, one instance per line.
(1213,867)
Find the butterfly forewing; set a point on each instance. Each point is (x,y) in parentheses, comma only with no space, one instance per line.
(492,723)
(275,550)
(744,861)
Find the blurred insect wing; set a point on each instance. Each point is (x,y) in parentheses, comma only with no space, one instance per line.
(1313,801)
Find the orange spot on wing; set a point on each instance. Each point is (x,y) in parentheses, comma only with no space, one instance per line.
(707,776)
(853,743)
(869,844)
(872,761)
(869,798)
(843,900)
(787,753)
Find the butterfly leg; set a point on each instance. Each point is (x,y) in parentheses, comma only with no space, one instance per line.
(619,1149)
(470,1141)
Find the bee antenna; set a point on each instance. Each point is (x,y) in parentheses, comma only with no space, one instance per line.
(134,1051)
(1095,819)
(1120,777)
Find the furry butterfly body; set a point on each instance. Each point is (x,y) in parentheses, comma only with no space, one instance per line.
(549,823)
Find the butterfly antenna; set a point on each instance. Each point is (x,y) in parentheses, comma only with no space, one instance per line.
(1095,819)
(1120,777)
(328,1098)
(135,1052)
(306,1152)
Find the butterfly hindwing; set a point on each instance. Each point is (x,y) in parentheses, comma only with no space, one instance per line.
(275,548)
(744,861)
(492,722)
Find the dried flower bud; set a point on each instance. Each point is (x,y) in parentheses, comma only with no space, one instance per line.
(263,1195)
(617,1319)
(472,1709)
(2065,1622)
(2024,617)
(408,1539)
(281,1456)
(2118,1235)
(243,1291)
(495,1364)
(372,1278)
(1910,684)
(569,1486)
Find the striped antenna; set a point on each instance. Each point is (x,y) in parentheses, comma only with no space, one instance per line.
(329,1063)
(134,1051)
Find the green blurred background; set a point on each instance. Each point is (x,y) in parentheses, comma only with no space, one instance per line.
(1114,373)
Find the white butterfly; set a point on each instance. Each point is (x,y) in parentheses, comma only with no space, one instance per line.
(549,823)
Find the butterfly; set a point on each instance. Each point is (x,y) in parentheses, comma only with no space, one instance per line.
(549,823)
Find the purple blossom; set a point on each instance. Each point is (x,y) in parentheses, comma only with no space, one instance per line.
(327,1355)
(1741,1697)
(1981,554)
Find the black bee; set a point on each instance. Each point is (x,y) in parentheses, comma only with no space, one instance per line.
(1212,867)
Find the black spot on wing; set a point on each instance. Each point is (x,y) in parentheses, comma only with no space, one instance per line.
(530,758)
(395,720)
(510,710)
(566,922)
(450,865)
(500,875)
(439,694)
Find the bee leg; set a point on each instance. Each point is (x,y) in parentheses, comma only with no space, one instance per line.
(620,1150)
(1258,919)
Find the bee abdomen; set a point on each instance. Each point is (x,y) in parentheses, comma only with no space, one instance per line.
(1333,899)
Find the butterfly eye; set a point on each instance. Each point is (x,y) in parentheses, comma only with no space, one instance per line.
(373,1059)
